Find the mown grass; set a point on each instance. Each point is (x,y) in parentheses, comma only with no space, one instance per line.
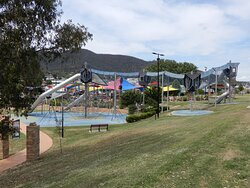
(17,144)
(206,151)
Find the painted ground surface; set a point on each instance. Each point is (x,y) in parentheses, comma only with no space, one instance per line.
(52,119)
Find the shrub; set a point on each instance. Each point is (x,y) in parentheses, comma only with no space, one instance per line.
(200,92)
(151,96)
(130,98)
(147,108)
(140,116)
(198,98)
(185,98)
(132,109)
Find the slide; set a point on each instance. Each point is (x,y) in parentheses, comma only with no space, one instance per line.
(40,99)
(75,102)
(218,99)
(222,97)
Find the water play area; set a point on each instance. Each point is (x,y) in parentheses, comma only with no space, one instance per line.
(52,118)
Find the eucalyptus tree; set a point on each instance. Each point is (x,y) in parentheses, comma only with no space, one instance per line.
(31,30)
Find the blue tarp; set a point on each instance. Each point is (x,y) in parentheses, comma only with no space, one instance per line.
(127,86)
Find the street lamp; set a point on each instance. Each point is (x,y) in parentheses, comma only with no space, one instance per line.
(206,82)
(158,80)
(216,86)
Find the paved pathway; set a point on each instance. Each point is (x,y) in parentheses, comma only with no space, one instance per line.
(20,157)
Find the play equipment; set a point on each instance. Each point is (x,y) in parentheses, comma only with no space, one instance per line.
(192,82)
(226,75)
(101,88)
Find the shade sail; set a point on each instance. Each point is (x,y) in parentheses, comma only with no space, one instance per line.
(169,88)
(111,84)
(121,84)
(127,85)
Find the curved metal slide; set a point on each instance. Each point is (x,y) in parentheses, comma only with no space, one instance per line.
(40,99)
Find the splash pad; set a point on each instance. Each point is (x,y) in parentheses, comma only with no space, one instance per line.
(191,112)
(52,119)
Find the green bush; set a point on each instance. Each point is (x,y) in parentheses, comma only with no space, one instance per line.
(138,117)
(200,92)
(151,96)
(198,98)
(132,109)
(185,98)
(147,108)
(129,98)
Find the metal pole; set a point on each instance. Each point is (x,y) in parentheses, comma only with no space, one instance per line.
(162,92)
(42,106)
(143,96)
(168,95)
(216,87)
(158,86)
(62,118)
(115,96)
(86,101)
(230,89)
(205,81)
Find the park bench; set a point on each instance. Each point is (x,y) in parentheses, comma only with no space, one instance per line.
(98,127)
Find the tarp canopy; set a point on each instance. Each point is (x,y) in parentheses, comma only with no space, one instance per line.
(169,88)
(111,85)
(127,85)
(121,84)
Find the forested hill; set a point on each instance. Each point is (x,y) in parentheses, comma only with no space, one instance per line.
(73,62)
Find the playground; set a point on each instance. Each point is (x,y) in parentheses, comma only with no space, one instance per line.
(195,141)
(94,96)
(124,94)
(198,151)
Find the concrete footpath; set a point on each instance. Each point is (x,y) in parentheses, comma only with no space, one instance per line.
(20,157)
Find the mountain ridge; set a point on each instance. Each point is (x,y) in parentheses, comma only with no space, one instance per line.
(73,62)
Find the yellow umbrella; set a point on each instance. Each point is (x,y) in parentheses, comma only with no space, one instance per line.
(169,88)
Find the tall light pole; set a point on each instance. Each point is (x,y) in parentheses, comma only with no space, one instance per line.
(206,85)
(158,80)
(216,86)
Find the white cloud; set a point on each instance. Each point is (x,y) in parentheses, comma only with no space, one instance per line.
(213,30)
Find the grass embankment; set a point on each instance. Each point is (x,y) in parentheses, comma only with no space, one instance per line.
(206,151)
(17,144)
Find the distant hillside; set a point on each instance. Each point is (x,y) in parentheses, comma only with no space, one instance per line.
(73,62)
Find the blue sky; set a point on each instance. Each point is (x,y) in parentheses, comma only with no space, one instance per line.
(208,33)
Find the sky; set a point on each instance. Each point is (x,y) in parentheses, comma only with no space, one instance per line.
(208,33)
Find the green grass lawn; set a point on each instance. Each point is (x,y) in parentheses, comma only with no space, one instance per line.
(17,144)
(206,151)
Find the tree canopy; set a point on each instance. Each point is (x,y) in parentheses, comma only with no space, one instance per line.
(172,66)
(30,30)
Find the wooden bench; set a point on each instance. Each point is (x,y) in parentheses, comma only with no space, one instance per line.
(98,127)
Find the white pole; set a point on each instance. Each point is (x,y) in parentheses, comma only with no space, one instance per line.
(162,92)
(230,89)
(168,95)
(216,87)
(115,96)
